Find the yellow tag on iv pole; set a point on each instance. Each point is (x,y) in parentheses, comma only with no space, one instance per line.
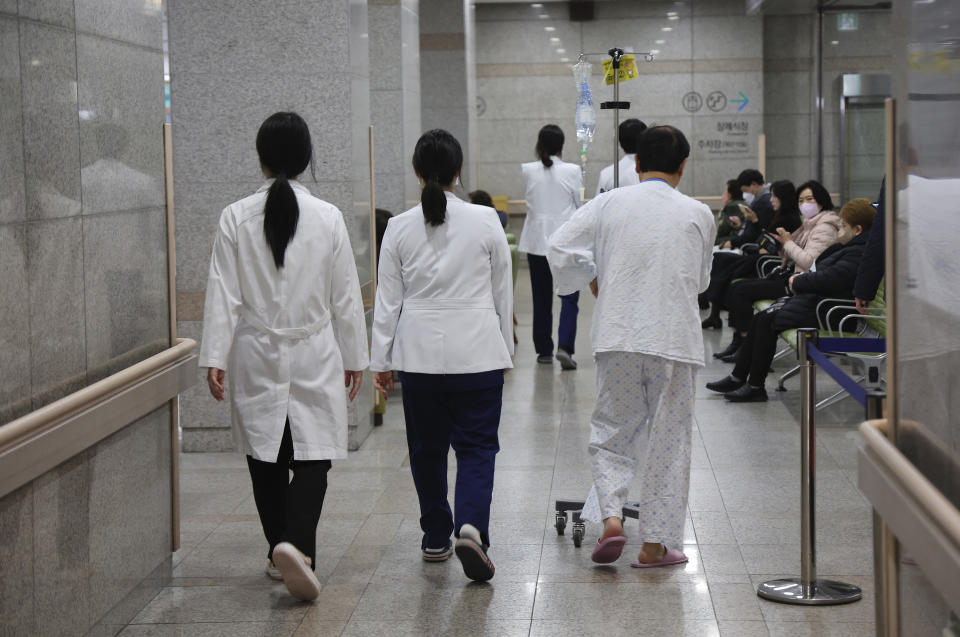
(628,69)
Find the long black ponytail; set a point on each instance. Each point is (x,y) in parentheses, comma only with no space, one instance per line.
(285,149)
(549,143)
(437,159)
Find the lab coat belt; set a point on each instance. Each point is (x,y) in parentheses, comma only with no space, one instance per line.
(293,333)
(485,303)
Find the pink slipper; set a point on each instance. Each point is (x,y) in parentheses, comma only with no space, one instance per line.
(608,550)
(672,556)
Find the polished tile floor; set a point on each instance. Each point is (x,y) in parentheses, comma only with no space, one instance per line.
(742,528)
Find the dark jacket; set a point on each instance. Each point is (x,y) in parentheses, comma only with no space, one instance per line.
(836,273)
(751,231)
(873,265)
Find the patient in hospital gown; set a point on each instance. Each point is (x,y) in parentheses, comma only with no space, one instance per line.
(649,247)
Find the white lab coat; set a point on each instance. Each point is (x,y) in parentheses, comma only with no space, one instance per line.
(552,195)
(628,174)
(285,336)
(651,248)
(444,294)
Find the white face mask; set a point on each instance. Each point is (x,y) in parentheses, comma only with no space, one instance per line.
(809,209)
(748,197)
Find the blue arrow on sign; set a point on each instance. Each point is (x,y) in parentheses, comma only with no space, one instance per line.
(744,101)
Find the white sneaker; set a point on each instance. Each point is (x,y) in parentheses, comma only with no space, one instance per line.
(298,577)
(566,359)
(437,555)
(273,572)
(469,548)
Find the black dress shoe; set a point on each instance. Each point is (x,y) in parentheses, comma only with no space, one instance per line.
(730,349)
(545,359)
(747,394)
(712,321)
(731,357)
(703,302)
(725,384)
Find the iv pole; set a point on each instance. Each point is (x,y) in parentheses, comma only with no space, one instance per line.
(616,105)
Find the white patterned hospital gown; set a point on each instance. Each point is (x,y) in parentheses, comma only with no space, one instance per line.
(642,423)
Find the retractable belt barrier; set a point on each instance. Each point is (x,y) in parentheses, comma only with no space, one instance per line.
(807,589)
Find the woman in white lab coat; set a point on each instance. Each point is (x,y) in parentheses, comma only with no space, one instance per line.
(444,320)
(553,192)
(284,330)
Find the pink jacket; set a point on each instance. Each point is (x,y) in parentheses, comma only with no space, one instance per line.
(814,236)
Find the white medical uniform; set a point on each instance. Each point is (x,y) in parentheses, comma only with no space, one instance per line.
(628,174)
(285,336)
(444,294)
(650,247)
(552,196)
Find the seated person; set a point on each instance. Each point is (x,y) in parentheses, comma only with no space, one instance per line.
(799,250)
(834,277)
(730,216)
(728,266)
(483,198)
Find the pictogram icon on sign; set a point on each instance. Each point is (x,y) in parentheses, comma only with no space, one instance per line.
(692,102)
(716,101)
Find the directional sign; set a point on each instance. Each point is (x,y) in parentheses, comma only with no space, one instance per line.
(743,101)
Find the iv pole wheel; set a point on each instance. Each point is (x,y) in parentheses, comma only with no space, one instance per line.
(820,592)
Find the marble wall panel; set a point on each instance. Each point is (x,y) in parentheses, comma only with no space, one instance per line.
(441,16)
(410,49)
(56,12)
(442,79)
(215,38)
(787,93)
(730,84)
(16,563)
(14,324)
(796,169)
(787,36)
(791,133)
(136,22)
(870,39)
(51,143)
(125,287)
(122,114)
(219,149)
(195,232)
(714,37)
(11,125)
(129,518)
(386,43)
(641,34)
(56,309)
(61,564)
(511,41)
(8,6)
(390,193)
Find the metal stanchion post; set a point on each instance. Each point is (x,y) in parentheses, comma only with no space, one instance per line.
(807,589)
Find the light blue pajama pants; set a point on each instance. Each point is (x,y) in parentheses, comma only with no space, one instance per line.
(642,425)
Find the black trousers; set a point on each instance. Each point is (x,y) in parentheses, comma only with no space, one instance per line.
(289,509)
(742,295)
(757,350)
(726,267)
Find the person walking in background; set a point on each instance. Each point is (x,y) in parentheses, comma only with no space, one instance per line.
(649,246)
(629,135)
(553,190)
(283,332)
(443,319)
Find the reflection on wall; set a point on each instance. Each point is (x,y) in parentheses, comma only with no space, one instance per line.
(927,225)
(82,232)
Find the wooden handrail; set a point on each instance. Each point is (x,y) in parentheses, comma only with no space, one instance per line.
(16,431)
(927,496)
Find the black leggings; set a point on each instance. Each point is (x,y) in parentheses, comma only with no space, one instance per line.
(289,509)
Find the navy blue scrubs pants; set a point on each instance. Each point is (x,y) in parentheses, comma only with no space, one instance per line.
(541,284)
(460,411)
